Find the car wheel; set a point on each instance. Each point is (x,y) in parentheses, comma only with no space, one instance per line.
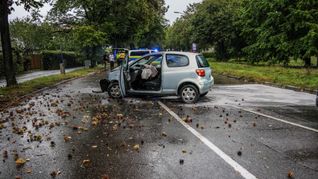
(114,90)
(204,94)
(189,94)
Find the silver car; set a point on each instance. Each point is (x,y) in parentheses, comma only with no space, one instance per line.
(183,74)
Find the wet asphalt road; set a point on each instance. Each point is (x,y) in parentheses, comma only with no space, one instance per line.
(70,132)
(37,74)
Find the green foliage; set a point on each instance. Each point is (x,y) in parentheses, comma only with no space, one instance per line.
(276,30)
(126,22)
(257,30)
(208,54)
(88,37)
(51,59)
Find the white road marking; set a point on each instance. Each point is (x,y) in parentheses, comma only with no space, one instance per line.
(246,174)
(277,119)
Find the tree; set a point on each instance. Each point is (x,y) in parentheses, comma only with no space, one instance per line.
(179,35)
(277,30)
(89,39)
(215,25)
(5,9)
(123,21)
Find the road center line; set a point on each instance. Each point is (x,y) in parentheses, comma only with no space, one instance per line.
(277,119)
(246,174)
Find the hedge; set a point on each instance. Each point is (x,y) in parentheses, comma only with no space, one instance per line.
(208,54)
(51,59)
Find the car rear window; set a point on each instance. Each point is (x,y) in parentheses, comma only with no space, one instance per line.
(177,60)
(139,53)
(202,62)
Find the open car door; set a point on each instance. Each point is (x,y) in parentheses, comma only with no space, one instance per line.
(124,77)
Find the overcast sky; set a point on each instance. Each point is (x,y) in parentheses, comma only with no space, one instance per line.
(175,6)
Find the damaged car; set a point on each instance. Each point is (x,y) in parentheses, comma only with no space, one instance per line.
(183,74)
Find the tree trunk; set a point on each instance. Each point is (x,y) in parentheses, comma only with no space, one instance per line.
(6,44)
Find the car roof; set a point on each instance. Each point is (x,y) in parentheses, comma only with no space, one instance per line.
(140,50)
(175,52)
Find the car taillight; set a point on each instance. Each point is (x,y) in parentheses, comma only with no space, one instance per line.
(201,72)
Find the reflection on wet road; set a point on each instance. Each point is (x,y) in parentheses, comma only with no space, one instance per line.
(70,132)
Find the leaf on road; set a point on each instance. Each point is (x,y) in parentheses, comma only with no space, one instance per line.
(164,134)
(67,138)
(181,161)
(105,177)
(55,173)
(290,174)
(86,163)
(136,147)
(20,162)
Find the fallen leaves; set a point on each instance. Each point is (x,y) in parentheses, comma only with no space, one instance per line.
(55,173)
(67,138)
(20,162)
(239,153)
(86,163)
(290,174)
(164,134)
(181,161)
(187,119)
(136,147)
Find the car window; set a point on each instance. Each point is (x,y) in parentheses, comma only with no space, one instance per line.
(155,61)
(174,60)
(139,53)
(202,62)
(148,60)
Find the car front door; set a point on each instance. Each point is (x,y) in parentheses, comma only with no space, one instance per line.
(124,77)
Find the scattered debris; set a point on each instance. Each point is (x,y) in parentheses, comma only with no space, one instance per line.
(239,153)
(164,134)
(20,162)
(55,173)
(86,163)
(290,174)
(136,147)
(187,119)
(105,177)
(67,138)
(181,161)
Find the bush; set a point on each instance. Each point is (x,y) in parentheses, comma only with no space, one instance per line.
(208,54)
(52,59)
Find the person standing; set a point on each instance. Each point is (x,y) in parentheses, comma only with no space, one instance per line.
(111,61)
(106,60)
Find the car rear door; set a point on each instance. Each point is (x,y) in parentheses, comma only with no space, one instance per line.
(204,65)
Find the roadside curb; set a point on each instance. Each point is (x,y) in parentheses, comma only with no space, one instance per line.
(289,87)
(47,88)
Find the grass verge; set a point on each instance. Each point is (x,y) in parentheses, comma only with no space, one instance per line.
(301,78)
(36,84)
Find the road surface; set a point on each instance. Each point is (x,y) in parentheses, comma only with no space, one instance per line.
(37,74)
(237,131)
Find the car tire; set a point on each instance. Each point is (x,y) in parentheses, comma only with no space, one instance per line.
(189,94)
(114,90)
(204,94)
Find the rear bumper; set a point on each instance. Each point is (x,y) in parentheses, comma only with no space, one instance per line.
(206,85)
